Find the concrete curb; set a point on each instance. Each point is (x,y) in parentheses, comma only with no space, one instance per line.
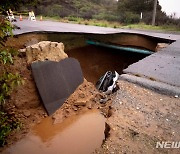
(159,87)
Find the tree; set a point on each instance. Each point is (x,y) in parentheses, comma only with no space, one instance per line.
(138,6)
(15,4)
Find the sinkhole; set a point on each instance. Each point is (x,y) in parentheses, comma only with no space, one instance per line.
(87,131)
(95,60)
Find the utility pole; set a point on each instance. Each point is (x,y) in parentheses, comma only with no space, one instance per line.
(154,12)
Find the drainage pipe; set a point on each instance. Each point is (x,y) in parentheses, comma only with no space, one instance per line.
(119,47)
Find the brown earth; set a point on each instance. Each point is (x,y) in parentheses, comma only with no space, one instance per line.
(25,103)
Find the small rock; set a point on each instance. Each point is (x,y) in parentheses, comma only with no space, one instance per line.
(26,113)
(103,101)
(89,106)
(74,108)
(81,95)
(67,111)
(80,103)
(176,96)
(58,118)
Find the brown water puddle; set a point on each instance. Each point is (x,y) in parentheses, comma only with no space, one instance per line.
(80,134)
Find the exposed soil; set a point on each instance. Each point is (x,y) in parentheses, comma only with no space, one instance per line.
(25,103)
(140,118)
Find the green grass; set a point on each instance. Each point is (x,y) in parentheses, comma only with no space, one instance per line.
(104,23)
(150,27)
(55,18)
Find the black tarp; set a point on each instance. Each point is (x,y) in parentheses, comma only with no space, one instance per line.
(56,81)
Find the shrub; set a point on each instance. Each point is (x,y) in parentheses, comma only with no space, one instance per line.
(75,19)
(129,18)
(7,124)
(8,81)
(106,16)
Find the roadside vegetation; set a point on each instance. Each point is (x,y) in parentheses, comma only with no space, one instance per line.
(8,82)
(113,24)
(104,13)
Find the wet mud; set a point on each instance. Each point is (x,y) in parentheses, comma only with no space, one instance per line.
(78,134)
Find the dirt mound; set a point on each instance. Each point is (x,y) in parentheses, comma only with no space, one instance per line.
(45,50)
(86,97)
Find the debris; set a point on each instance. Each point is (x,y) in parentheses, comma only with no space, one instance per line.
(102,101)
(89,106)
(120,103)
(58,118)
(74,108)
(45,50)
(56,81)
(80,103)
(107,83)
(176,96)
(26,113)
(137,108)
(160,46)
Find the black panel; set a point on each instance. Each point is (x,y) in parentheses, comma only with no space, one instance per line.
(56,81)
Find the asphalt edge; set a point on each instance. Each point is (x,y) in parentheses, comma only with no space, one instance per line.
(159,87)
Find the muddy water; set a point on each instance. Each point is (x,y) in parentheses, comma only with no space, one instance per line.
(95,61)
(76,135)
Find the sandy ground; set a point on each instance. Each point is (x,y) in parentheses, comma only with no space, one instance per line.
(140,118)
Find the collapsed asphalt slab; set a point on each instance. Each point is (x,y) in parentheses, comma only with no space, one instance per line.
(159,87)
(163,66)
(56,81)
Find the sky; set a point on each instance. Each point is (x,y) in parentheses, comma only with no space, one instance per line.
(171,6)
